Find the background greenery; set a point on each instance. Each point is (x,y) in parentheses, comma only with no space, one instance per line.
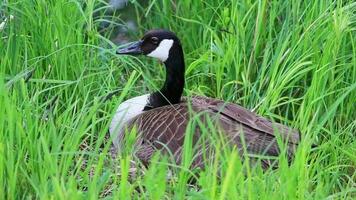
(291,61)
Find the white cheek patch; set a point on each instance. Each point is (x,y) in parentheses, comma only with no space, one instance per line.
(162,51)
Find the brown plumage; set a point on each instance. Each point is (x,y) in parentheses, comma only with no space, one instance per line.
(167,124)
(163,122)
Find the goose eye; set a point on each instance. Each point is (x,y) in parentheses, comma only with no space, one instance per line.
(154,40)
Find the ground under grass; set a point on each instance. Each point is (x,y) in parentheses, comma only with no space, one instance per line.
(291,61)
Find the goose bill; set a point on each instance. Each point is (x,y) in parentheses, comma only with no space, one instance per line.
(132,48)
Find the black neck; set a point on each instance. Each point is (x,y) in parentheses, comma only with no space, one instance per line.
(173,86)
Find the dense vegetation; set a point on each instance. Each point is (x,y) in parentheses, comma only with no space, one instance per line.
(291,61)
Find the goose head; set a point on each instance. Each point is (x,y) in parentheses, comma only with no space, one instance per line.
(157,43)
(165,46)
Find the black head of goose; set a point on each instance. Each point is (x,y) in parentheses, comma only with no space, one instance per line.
(161,118)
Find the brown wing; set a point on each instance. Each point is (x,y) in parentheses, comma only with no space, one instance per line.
(250,119)
(164,128)
(259,133)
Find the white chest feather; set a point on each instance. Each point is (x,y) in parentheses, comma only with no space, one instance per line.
(162,51)
(124,113)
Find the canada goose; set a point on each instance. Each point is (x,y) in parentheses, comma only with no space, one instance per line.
(161,118)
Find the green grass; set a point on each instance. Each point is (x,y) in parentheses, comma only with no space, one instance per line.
(291,61)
